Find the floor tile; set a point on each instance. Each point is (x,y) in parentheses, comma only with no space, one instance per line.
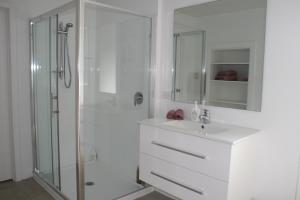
(154,196)
(30,190)
(24,190)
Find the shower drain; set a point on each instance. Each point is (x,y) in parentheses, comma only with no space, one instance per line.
(89,183)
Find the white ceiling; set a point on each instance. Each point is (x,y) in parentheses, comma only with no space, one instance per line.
(222,6)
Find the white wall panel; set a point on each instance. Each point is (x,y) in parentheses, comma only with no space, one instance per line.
(5,106)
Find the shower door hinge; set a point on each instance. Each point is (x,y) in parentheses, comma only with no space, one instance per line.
(36,170)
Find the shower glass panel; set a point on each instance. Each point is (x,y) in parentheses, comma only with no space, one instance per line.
(116,69)
(53,98)
(44,89)
(189,61)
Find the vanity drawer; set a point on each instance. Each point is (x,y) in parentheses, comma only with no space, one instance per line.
(199,154)
(180,182)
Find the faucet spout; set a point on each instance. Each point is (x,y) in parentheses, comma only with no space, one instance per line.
(205,117)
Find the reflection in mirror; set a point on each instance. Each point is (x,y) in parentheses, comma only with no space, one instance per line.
(189,53)
(219,53)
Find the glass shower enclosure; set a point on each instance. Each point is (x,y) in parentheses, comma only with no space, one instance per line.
(115,71)
(44,95)
(189,66)
(85,136)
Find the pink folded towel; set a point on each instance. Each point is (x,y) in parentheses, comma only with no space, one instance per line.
(179,114)
(175,115)
(171,114)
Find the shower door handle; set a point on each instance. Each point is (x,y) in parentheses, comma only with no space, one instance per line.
(52,98)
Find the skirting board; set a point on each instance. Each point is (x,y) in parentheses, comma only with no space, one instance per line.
(298,184)
(298,189)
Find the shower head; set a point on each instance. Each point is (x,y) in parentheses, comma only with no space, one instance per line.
(68,25)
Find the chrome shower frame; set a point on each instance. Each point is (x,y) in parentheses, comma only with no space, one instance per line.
(80,62)
(54,191)
(79,32)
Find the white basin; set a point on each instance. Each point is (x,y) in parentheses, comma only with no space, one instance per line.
(230,134)
(195,127)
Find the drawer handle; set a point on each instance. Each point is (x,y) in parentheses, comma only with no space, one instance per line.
(177,183)
(179,150)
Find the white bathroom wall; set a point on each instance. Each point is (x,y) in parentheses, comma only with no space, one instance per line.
(32,8)
(143,7)
(276,174)
(6,153)
(147,8)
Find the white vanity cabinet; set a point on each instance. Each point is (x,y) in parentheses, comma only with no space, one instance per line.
(195,167)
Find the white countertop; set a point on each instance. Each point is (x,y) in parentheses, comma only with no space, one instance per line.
(231,135)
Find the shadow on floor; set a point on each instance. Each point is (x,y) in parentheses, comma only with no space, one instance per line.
(24,190)
(154,196)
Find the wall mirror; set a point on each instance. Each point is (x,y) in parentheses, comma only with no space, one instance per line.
(219,53)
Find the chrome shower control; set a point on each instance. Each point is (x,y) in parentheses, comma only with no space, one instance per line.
(138,98)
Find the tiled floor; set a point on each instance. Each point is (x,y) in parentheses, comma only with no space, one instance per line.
(30,190)
(24,190)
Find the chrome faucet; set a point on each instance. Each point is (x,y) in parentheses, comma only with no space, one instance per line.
(204,117)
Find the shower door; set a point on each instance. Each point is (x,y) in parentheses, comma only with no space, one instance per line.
(114,96)
(189,61)
(45,100)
